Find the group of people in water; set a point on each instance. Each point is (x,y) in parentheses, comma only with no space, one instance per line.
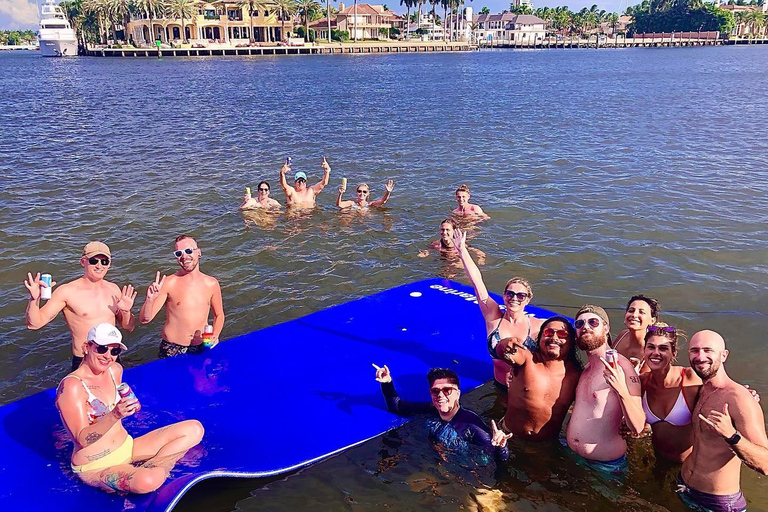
(698,416)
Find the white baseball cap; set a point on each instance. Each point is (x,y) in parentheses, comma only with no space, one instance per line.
(106,334)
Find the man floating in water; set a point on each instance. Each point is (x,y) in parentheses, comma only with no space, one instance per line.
(188,297)
(300,194)
(455,427)
(86,301)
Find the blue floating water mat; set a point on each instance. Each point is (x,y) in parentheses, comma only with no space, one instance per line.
(271,401)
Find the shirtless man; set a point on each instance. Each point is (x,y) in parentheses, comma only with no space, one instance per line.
(362,203)
(302,195)
(86,301)
(604,394)
(446,244)
(188,297)
(465,209)
(542,384)
(728,429)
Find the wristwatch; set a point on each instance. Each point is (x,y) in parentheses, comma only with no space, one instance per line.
(735,438)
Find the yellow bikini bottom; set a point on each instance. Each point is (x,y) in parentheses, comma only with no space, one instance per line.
(123,455)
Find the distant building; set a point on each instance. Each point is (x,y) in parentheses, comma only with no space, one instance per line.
(742,26)
(508,28)
(221,22)
(522,3)
(367,21)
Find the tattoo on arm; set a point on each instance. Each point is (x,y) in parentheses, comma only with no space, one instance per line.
(92,438)
(634,379)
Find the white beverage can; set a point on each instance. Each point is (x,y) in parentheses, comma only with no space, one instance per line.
(612,357)
(45,292)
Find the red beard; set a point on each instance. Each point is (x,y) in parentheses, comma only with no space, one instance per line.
(589,341)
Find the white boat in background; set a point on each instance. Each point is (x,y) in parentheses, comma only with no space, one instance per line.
(57,39)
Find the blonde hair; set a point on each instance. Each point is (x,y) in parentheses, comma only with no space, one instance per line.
(463,188)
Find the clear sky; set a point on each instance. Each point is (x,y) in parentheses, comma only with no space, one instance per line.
(22,14)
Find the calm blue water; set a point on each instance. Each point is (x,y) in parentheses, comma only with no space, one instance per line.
(606,173)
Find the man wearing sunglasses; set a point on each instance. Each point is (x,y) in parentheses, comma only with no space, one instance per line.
(606,393)
(188,296)
(363,191)
(86,301)
(452,426)
(300,194)
(542,383)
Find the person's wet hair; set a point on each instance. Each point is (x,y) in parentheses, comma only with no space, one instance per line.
(652,303)
(184,237)
(451,222)
(572,350)
(442,373)
(463,188)
(264,183)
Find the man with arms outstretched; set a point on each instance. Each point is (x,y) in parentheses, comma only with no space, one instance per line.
(188,297)
(604,395)
(728,429)
(86,301)
(300,194)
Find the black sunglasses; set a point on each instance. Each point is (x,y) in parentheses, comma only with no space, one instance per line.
(263,190)
(521,296)
(593,322)
(362,191)
(95,260)
(102,349)
(188,250)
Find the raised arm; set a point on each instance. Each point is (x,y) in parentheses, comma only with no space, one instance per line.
(488,306)
(389,187)
(125,301)
(394,403)
(283,182)
(625,382)
(155,300)
(339,202)
(319,186)
(36,316)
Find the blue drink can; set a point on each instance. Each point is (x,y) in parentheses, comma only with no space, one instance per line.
(45,293)
(288,161)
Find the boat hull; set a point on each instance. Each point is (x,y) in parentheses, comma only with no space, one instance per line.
(58,48)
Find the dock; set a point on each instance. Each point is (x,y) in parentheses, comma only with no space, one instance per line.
(309,49)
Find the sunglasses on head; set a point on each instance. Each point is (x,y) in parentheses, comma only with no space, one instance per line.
(447,391)
(593,322)
(102,349)
(550,332)
(95,260)
(657,329)
(521,296)
(263,189)
(188,250)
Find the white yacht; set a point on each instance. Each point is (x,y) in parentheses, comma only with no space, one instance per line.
(57,39)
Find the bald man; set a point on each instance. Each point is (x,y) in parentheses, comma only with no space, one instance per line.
(728,429)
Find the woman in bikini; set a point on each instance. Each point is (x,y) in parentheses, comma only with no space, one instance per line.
(669,393)
(104,455)
(641,312)
(511,322)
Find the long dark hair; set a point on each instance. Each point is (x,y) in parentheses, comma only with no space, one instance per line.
(572,353)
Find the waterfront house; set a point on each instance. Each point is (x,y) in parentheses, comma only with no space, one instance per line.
(746,21)
(508,28)
(219,22)
(370,21)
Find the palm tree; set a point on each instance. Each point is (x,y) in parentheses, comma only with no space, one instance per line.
(408,4)
(252,6)
(151,8)
(182,9)
(285,9)
(307,8)
(100,10)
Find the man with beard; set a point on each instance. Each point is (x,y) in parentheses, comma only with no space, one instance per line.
(453,426)
(86,301)
(188,296)
(728,428)
(542,384)
(604,395)
(301,195)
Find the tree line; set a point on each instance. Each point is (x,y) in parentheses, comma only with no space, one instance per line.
(16,37)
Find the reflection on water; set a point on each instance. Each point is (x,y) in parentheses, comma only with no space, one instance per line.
(605,173)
